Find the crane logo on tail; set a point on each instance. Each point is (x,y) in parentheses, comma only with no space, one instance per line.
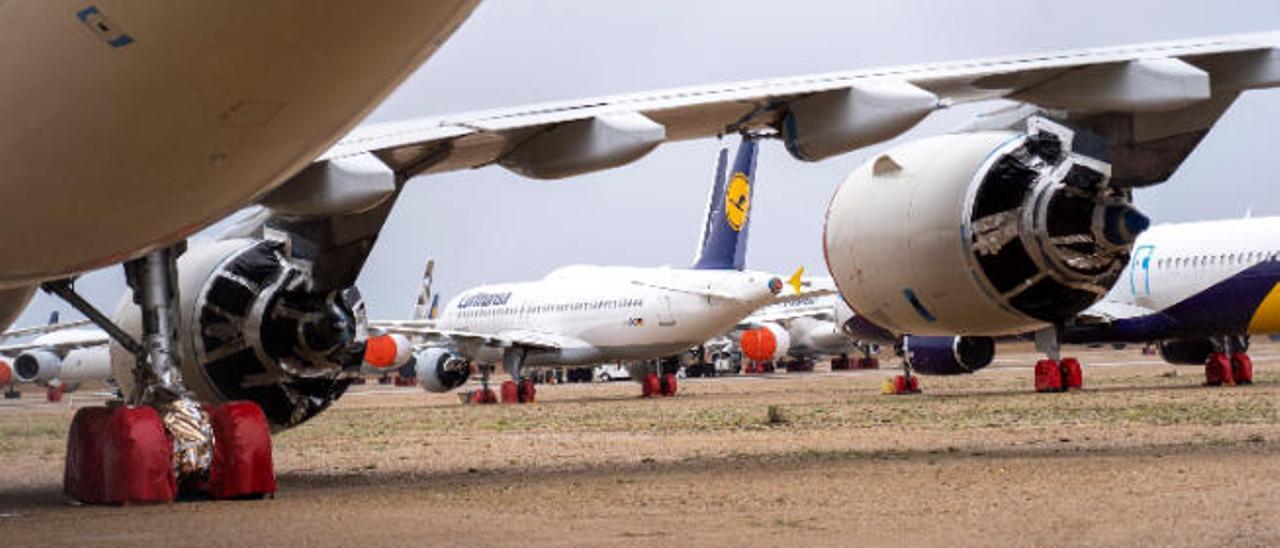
(737,200)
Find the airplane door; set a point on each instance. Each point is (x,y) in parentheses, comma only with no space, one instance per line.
(666,318)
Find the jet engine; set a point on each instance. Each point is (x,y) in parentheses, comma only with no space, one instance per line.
(255,327)
(769,341)
(980,233)
(1186,351)
(440,370)
(387,352)
(948,355)
(38,365)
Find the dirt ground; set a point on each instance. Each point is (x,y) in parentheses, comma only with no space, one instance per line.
(1143,456)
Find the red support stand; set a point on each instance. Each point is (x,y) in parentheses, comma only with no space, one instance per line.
(1049,376)
(1217,371)
(1242,368)
(527,391)
(1072,374)
(668,384)
(119,455)
(242,465)
(650,385)
(510,392)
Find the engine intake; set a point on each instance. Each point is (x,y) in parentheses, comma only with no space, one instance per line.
(986,233)
(440,370)
(948,355)
(37,366)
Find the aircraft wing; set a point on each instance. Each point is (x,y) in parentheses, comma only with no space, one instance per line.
(56,347)
(41,329)
(424,331)
(1154,101)
(1109,311)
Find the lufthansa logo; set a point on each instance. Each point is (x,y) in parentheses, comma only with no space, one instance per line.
(737,201)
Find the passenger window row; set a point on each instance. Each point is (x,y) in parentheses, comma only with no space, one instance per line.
(1222,259)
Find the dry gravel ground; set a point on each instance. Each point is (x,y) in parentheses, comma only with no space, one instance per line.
(1143,456)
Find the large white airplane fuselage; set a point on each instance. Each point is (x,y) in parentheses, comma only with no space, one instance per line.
(604,314)
(128,126)
(1198,279)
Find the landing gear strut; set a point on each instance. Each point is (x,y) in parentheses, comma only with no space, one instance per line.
(518,389)
(906,383)
(485,395)
(1055,373)
(160,438)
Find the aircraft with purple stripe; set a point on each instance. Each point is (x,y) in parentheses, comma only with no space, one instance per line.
(1198,289)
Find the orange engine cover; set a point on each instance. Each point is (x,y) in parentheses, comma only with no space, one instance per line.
(759,344)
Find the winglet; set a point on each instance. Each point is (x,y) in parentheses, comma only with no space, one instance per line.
(794,280)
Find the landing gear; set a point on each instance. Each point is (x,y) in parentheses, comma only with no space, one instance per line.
(1055,373)
(1229,363)
(906,383)
(658,383)
(519,392)
(11,393)
(160,438)
(485,395)
(53,393)
(519,389)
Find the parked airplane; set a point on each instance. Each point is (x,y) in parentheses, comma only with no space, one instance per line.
(249,124)
(60,358)
(1198,289)
(585,315)
(801,331)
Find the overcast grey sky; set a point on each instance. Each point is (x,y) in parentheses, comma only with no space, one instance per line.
(489,225)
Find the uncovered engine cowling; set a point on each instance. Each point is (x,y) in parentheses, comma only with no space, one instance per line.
(1186,351)
(253,329)
(439,370)
(981,233)
(948,355)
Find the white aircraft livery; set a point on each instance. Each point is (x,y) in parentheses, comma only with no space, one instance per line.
(583,314)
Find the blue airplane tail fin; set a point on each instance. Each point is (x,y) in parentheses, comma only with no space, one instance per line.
(53,318)
(724,237)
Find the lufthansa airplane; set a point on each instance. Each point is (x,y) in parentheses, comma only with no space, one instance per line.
(585,314)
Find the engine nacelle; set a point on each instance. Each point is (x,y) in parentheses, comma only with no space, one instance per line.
(767,342)
(38,365)
(6,373)
(252,328)
(982,233)
(440,370)
(1186,351)
(948,355)
(387,352)
(92,363)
